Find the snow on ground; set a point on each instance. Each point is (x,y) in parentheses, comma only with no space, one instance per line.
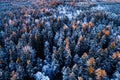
(99,7)
(67,11)
(40,76)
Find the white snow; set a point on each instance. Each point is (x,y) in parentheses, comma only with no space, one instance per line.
(98,8)
(65,11)
(40,76)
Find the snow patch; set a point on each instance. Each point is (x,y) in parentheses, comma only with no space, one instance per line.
(98,8)
(67,11)
(40,76)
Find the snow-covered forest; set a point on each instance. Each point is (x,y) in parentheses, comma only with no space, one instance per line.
(59,39)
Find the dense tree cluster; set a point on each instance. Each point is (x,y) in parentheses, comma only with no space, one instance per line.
(36,43)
